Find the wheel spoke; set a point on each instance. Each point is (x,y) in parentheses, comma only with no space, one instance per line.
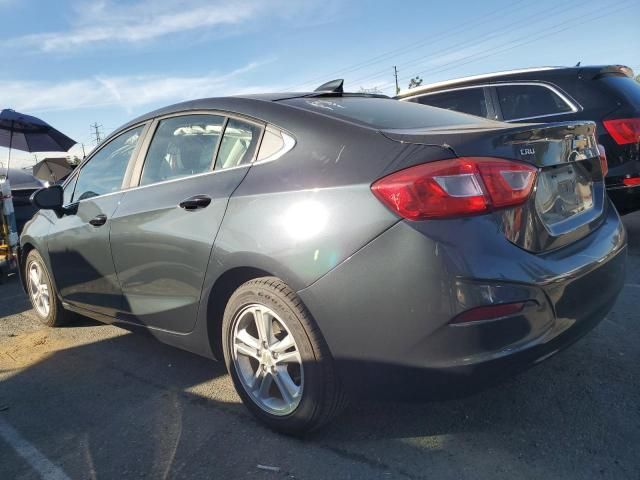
(288,389)
(263,324)
(288,357)
(247,344)
(283,345)
(33,277)
(265,385)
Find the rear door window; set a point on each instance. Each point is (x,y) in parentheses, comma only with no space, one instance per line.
(467,100)
(527,101)
(182,146)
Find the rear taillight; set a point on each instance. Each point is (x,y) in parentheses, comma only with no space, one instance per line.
(455,187)
(624,130)
(631,181)
(604,165)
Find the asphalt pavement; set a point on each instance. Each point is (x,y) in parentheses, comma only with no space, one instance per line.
(97,402)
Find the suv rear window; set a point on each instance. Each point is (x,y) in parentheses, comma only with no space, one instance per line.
(526,101)
(625,86)
(383,112)
(468,100)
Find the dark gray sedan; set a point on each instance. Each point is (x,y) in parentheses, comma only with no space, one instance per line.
(324,243)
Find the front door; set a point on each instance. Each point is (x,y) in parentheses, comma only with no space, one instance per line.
(78,244)
(163,232)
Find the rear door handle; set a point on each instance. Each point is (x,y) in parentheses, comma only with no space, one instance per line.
(195,202)
(98,220)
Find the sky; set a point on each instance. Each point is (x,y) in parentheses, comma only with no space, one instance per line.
(76,63)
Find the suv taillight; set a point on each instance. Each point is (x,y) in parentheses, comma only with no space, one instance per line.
(455,187)
(623,130)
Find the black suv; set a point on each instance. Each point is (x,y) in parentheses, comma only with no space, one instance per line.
(608,95)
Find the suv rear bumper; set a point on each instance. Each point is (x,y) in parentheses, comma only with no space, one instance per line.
(406,286)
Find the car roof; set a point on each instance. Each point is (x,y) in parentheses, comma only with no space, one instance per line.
(261,106)
(538,73)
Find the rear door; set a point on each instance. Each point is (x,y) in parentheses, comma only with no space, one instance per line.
(164,229)
(78,242)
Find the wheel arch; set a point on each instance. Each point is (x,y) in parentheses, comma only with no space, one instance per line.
(219,295)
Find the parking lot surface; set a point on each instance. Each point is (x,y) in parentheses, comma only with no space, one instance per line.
(96,401)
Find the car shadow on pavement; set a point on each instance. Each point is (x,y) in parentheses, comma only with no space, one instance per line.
(127,406)
(12,298)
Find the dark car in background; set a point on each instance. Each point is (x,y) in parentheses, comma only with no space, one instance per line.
(321,242)
(23,185)
(607,95)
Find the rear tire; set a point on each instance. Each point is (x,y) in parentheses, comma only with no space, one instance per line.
(42,293)
(289,383)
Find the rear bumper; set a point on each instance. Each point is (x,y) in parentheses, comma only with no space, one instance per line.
(406,286)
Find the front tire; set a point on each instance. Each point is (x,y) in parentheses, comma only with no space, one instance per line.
(277,358)
(42,293)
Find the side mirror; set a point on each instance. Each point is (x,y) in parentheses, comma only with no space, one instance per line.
(49,198)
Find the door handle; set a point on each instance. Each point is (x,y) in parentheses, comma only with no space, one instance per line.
(195,202)
(98,220)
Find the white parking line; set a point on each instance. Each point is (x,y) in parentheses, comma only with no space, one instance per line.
(40,463)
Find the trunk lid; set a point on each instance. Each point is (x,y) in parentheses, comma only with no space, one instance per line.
(568,199)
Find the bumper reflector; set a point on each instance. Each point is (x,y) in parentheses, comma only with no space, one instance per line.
(488,313)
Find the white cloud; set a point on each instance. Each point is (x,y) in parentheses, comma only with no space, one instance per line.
(128,92)
(110,21)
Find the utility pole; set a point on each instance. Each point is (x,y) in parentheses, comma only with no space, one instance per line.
(395,73)
(84,155)
(96,131)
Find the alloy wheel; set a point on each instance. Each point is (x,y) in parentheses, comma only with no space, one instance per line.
(267,360)
(38,289)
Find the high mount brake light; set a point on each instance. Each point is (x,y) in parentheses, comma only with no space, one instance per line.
(624,130)
(456,187)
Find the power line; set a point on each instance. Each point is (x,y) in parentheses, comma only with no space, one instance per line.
(408,48)
(567,24)
(530,21)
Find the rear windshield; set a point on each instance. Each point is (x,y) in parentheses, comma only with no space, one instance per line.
(626,87)
(384,112)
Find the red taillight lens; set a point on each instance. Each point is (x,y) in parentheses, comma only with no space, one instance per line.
(624,130)
(631,182)
(604,165)
(488,312)
(455,187)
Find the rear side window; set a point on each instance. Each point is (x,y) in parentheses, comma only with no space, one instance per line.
(626,87)
(467,100)
(104,172)
(525,101)
(238,144)
(383,112)
(182,146)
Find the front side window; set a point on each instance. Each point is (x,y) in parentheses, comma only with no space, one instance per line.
(468,100)
(104,172)
(238,144)
(69,189)
(525,101)
(182,146)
